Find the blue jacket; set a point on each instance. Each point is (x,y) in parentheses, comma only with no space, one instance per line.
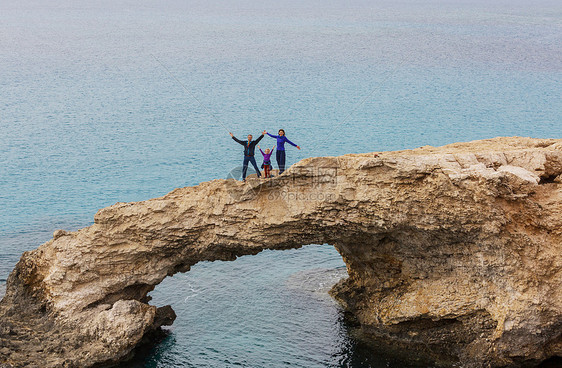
(250,147)
(281,139)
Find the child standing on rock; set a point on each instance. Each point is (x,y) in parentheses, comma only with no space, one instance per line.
(266,161)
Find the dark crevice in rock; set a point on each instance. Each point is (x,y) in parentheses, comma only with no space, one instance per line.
(547,179)
(554,362)
(138,292)
(181,268)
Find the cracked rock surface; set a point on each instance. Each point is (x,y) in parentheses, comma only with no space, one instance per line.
(455,249)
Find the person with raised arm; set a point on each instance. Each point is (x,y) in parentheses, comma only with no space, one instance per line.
(266,165)
(249,148)
(280,154)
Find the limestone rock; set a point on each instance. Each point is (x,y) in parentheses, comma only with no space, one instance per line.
(455,249)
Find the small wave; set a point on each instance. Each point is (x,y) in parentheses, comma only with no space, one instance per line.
(194,292)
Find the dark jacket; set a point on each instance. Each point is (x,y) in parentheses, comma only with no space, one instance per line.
(249,148)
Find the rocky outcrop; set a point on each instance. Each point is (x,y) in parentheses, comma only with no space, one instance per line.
(454,250)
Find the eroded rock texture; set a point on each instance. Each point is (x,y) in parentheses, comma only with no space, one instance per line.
(456,249)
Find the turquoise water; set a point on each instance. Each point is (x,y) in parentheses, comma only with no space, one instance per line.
(90,115)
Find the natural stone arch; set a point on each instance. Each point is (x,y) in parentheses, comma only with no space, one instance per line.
(454,247)
(266,307)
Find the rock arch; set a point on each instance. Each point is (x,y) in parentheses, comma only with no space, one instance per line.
(456,247)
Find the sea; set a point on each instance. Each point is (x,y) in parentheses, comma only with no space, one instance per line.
(117,101)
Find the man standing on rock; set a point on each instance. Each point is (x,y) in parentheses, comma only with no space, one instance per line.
(249,148)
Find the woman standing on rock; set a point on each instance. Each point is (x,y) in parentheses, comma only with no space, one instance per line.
(280,155)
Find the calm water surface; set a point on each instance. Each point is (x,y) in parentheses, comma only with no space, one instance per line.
(91,114)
